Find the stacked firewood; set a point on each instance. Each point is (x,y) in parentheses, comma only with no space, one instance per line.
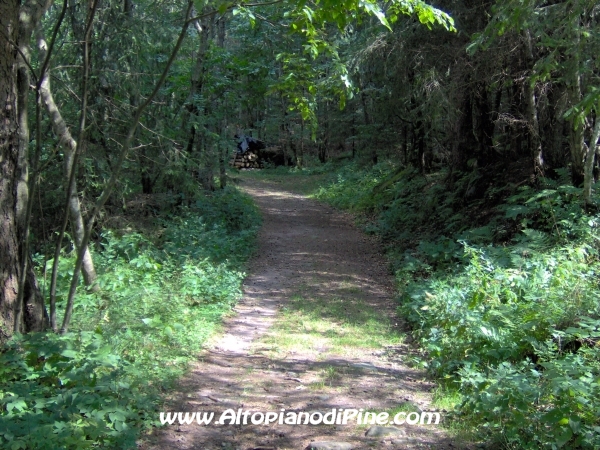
(247,160)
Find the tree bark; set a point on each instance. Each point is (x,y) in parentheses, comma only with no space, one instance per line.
(465,144)
(196,142)
(577,131)
(69,146)
(484,124)
(223,125)
(30,14)
(17,22)
(532,114)
(363,99)
(590,156)
(9,153)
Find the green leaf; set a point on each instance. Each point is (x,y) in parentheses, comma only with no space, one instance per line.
(374,9)
(223,7)
(69,354)
(564,436)
(19,405)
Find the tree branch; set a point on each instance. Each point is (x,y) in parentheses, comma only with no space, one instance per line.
(115,175)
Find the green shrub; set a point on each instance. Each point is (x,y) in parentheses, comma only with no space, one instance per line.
(159,300)
(551,404)
(507,308)
(69,392)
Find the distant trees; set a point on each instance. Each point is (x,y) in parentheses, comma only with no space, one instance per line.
(130,97)
(518,80)
(103,100)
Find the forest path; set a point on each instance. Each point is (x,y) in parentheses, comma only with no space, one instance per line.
(316,330)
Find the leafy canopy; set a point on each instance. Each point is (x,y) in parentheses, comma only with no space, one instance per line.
(316,22)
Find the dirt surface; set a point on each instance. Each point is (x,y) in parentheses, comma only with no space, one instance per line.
(309,249)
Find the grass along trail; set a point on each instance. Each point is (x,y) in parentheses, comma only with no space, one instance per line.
(315,331)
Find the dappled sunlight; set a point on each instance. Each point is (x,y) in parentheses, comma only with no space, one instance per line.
(315,330)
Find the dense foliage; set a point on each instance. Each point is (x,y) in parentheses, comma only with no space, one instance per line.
(159,299)
(505,305)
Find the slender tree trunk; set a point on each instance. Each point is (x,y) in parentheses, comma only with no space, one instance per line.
(420,143)
(69,146)
(284,134)
(485,124)
(590,156)
(363,99)
(324,144)
(223,123)
(300,157)
(110,184)
(30,14)
(222,167)
(196,142)
(353,131)
(576,144)
(577,131)
(405,143)
(532,114)
(463,148)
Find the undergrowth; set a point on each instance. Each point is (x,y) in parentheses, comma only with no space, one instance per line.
(502,293)
(99,385)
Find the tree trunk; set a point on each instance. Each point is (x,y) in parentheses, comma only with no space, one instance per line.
(485,124)
(196,144)
(30,315)
(69,146)
(9,152)
(465,144)
(363,99)
(30,14)
(222,167)
(577,131)
(590,156)
(284,134)
(420,144)
(324,141)
(404,150)
(353,131)
(576,144)
(300,155)
(223,125)
(532,114)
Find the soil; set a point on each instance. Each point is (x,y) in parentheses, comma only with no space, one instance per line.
(311,248)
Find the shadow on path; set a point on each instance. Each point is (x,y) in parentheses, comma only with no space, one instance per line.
(309,250)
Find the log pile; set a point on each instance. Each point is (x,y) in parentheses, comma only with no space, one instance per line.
(247,160)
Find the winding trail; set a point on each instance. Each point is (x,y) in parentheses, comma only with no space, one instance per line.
(309,251)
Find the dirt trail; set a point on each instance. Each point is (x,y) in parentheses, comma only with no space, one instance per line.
(314,251)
